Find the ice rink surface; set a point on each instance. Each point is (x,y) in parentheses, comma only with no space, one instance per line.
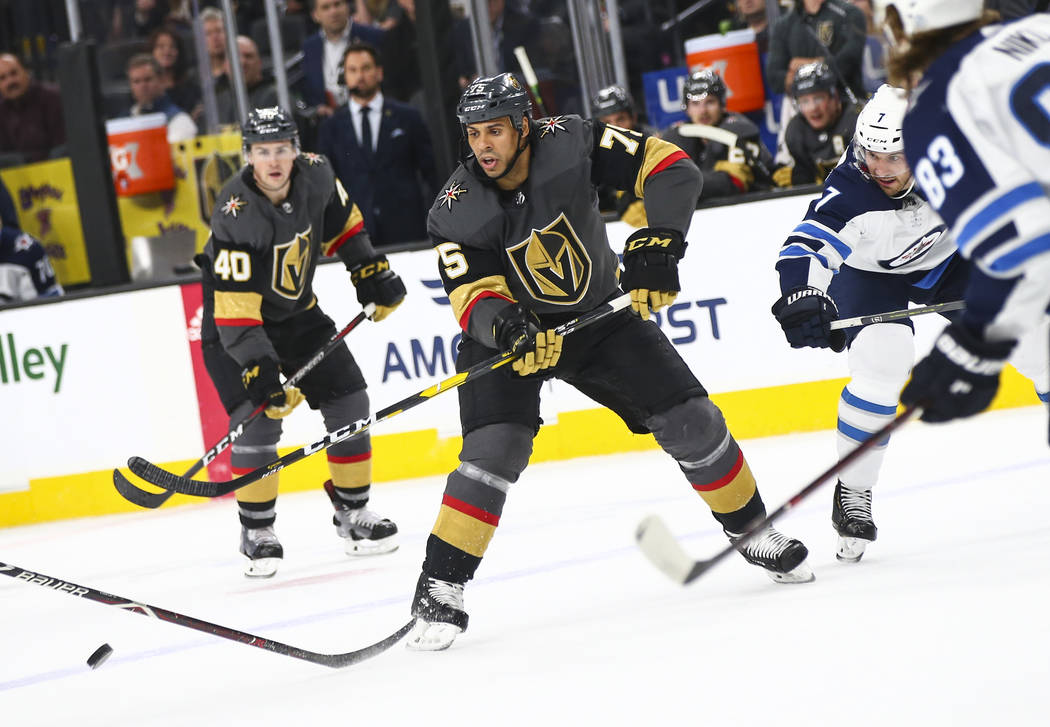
(944,622)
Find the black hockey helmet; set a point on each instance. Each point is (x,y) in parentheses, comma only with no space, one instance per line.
(490,98)
(702,83)
(268,124)
(610,100)
(813,77)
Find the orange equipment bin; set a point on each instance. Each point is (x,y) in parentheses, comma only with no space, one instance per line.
(734,56)
(139,155)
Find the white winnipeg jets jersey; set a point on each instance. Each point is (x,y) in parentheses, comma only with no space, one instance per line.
(854,223)
(977,135)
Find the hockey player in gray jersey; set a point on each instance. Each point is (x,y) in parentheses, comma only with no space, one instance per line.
(727,170)
(522,248)
(977,133)
(871,243)
(271,224)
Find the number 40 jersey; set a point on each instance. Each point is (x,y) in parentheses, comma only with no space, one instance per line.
(977,137)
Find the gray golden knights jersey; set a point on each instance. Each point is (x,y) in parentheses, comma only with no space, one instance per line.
(816,153)
(262,256)
(544,244)
(854,223)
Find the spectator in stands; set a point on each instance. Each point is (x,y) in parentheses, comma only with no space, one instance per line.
(752,14)
(381,13)
(214,40)
(510,27)
(31,121)
(261,91)
(401,75)
(137,18)
(381,151)
(813,30)
(817,137)
(730,166)
(25,271)
(614,105)
(176,77)
(148,93)
(323,54)
(873,65)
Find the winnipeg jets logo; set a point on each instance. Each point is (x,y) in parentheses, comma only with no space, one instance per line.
(23,242)
(452,194)
(312,159)
(551,125)
(916,250)
(233,206)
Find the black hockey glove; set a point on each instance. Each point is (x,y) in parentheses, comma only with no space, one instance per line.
(650,268)
(377,283)
(959,377)
(517,331)
(262,382)
(806,314)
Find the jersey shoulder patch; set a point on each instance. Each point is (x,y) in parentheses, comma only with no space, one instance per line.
(464,205)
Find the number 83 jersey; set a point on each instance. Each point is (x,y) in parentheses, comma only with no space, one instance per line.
(977,136)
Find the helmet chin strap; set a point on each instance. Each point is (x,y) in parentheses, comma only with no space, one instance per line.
(906,191)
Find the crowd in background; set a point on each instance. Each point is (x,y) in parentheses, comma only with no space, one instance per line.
(364,109)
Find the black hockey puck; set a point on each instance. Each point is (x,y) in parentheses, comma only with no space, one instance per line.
(100,655)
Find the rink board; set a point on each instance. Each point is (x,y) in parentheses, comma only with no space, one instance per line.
(95,381)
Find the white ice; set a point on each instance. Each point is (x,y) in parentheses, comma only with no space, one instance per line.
(944,622)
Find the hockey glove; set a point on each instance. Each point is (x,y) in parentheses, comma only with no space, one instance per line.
(742,175)
(261,381)
(959,377)
(806,314)
(377,283)
(650,268)
(782,176)
(517,331)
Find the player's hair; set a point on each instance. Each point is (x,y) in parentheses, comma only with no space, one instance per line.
(905,64)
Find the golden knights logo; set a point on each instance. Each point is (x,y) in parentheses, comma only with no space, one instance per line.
(551,125)
(553,264)
(826,32)
(290,263)
(233,205)
(452,194)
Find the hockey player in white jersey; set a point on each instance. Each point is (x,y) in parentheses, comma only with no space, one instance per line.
(871,243)
(977,133)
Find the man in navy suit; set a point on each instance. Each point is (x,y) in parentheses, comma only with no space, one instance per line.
(323,52)
(381,151)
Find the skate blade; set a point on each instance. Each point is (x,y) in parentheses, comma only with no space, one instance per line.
(370,547)
(426,636)
(801,573)
(850,550)
(262,567)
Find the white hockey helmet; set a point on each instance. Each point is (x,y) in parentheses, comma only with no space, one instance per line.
(879,125)
(919,16)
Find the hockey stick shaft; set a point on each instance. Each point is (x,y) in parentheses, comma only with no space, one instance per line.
(153,500)
(170,481)
(530,76)
(897,315)
(660,547)
(179,619)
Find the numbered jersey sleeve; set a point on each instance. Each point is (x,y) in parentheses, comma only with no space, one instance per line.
(832,228)
(656,171)
(25,271)
(344,228)
(978,140)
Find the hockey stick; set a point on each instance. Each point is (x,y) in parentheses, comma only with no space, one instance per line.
(153,500)
(722,136)
(664,551)
(530,76)
(335,661)
(897,315)
(170,481)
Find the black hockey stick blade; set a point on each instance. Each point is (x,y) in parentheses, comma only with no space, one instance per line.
(662,549)
(334,661)
(896,315)
(153,500)
(176,483)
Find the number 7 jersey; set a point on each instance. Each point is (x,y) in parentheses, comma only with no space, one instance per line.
(977,137)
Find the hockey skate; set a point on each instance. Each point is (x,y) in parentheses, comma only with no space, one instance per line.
(440,618)
(851,516)
(782,558)
(363,531)
(263,551)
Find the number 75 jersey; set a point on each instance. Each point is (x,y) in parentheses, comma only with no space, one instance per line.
(977,137)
